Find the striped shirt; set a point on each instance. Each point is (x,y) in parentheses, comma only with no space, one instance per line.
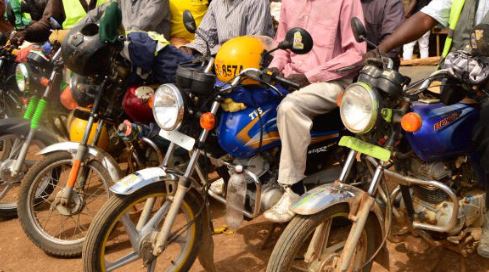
(226,19)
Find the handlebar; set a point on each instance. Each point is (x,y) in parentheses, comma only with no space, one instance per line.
(259,75)
(287,82)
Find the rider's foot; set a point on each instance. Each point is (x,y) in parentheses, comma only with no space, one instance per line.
(280,212)
(483,248)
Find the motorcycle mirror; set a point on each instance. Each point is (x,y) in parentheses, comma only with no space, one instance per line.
(359,30)
(54,23)
(189,21)
(297,40)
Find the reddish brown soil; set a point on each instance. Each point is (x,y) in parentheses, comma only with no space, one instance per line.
(240,251)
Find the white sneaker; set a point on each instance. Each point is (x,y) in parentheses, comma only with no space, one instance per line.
(218,186)
(280,212)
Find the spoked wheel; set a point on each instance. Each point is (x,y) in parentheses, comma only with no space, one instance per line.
(57,227)
(120,238)
(295,250)
(10,145)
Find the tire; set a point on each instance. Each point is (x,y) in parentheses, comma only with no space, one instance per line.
(108,217)
(8,209)
(30,203)
(298,231)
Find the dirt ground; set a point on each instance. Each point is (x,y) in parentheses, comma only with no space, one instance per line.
(239,251)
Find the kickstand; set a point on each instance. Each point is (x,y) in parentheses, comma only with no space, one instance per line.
(271,231)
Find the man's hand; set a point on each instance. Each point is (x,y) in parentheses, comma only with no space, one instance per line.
(18,38)
(300,79)
(186,50)
(276,71)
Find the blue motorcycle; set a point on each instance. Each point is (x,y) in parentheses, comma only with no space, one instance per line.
(163,207)
(404,136)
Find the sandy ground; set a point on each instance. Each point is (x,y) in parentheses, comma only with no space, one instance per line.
(239,251)
(242,250)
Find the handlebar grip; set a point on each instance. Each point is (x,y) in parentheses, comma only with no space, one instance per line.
(287,82)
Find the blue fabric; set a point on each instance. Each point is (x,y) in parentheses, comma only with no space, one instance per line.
(163,66)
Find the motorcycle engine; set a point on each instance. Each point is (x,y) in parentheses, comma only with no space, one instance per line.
(270,190)
(433,206)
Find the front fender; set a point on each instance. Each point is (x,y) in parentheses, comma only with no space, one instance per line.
(327,195)
(94,153)
(139,179)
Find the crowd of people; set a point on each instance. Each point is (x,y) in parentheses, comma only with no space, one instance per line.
(328,22)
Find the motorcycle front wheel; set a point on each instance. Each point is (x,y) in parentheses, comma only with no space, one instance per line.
(289,253)
(60,229)
(10,145)
(112,240)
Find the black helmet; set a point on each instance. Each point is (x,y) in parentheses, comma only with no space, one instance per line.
(84,53)
(479,40)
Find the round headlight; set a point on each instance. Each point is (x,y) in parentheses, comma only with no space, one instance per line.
(359,108)
(22,77)
(168,107)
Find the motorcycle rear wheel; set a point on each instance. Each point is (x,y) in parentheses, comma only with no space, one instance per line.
(289,251)
(106,238)
(64,237)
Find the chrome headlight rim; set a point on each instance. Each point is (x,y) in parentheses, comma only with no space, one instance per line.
(179,104)
(22,77)
(374,102)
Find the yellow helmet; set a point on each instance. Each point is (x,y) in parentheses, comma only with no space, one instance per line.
(237,54)
(77,126)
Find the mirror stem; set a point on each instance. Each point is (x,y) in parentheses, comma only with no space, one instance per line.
(208,48)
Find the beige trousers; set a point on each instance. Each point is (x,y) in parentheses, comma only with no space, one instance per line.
(294,121)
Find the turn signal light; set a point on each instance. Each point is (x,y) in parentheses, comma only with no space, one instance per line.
(339,99)
(207,121)
(411,122)
(151,101)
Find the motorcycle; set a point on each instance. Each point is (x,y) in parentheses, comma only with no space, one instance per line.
(406,137)
(74,177)
(165,209)
(40,126)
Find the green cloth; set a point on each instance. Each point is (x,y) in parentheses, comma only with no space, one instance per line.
(22,19)
(110,23)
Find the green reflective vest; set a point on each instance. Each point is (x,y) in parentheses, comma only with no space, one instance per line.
(74,12)
(455,11)
(22,19)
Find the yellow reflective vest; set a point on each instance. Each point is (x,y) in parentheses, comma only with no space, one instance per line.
(455,11)
(74,12)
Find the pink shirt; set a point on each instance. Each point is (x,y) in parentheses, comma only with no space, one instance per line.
(328,22)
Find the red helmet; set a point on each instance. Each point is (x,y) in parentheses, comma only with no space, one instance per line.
(136,104)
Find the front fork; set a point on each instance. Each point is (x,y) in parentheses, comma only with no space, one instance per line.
(182,188)
(359,215)
(82,150)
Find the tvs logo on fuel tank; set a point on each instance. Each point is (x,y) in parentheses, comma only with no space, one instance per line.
(447,120)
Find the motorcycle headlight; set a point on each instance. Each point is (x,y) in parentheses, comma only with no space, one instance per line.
(359,108)
(22,77)
(168,107)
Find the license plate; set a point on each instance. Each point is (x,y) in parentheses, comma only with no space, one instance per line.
(178,138)
(365,148)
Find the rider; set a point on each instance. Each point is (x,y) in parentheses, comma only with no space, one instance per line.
(67,12)
(460,17)
(382,17)
(138,15)
(334,47)
(226,19)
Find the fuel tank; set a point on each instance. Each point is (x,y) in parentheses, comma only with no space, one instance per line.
(446,131)
(246,132)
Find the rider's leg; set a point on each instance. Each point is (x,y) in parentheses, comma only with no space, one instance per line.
(294,121)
